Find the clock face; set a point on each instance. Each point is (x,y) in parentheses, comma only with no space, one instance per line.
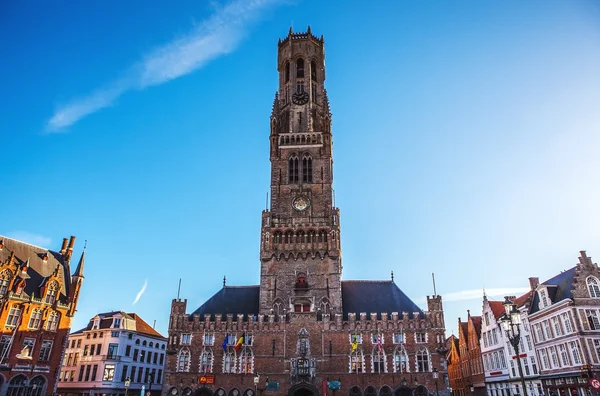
(301,203)
(300,98)
(174,392)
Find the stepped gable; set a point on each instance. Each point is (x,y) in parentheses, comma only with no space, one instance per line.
(236,300)
(559,288)
(477,325)
(375,297)
(35,264)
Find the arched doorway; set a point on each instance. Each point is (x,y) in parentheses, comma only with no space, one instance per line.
(421,391)
(37,385)
(403,391)
(203,391)
(17,386)
(303,390)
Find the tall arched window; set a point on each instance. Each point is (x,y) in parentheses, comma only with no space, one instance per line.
(370,391)
(307,169)
(183,361)
(378,360)
(300,68)
(16,386)
(52,322)
(246,361)
(51,292)
(35,319)
(400,360)
(593,286)
(313,71)
(37,385)
(423,360)
(287,72)
(288,237)
(277,237)
(206,361)
(357,361)
(293,169)
(229,361)
(4,281)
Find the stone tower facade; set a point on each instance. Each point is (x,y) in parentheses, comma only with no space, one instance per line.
(300,238)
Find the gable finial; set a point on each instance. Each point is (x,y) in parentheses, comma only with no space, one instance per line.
(392,276)
(224,280)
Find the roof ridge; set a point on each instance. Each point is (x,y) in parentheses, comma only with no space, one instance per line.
(240,287)
(369,280)
(27,243)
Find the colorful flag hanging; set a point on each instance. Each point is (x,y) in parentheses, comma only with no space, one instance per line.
(240,341)
(225,341)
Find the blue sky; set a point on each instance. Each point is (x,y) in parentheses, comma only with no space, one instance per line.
(466,141)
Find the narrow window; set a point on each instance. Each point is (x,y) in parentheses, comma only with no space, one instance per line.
(51,293)
(313,71)
(287,72)
(4,281)
(300,68)
(307,169)
(293,169)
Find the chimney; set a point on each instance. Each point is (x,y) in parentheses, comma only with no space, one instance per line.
(70,249)
(534,281)
(63,249)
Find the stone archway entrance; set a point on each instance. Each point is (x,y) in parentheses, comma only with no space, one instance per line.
(303,390)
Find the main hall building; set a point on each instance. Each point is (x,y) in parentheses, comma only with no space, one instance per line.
(303,330)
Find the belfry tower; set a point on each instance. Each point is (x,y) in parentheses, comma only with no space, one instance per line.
(300,249)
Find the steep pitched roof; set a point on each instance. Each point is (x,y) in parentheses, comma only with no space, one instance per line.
(236,300)
(31,258)
(476,320)
(375,296)
(142,327)
(497,308)
(559,288)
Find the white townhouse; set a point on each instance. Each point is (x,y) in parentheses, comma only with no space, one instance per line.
(564,317)
(499,359)
(116,353)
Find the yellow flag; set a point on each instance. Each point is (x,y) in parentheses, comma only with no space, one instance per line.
(354,343)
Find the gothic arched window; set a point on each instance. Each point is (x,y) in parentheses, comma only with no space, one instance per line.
(5,277)
(300,68)
(16,386)
(229,362)
(51,292)
(378,360)
(422,360)
(206,361)
(246,361)
(385,391)
(313,71)
(287,72)
(400,360)
(593,286)
(35,319)
(37,386)
(277,237)
(307,169)
(293,169)
(357,361)
(370,391)
(322,236)
(52,323)
(312,236)
(183,361)
(355,391)
(288,237)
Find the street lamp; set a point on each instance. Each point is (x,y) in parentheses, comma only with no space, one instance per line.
(511,322)
(435,377)
(127,383)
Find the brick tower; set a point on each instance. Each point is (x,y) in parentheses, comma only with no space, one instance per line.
(300,237)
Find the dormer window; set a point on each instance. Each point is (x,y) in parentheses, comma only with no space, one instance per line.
(593,287)
(51,292)
(4,281)
(96,324)
(116,323)
(544,302)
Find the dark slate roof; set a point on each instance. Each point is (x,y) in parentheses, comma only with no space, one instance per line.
(375,296)
(559,288)
(38,269)
(236,300)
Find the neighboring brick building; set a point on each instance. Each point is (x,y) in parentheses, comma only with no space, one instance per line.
(112,348)
(455,374)
(299,323)
(469,351)
(39,297)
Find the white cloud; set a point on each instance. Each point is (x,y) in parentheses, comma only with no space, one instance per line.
(141,292)
(218,35)
(31,238)
(477,294)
